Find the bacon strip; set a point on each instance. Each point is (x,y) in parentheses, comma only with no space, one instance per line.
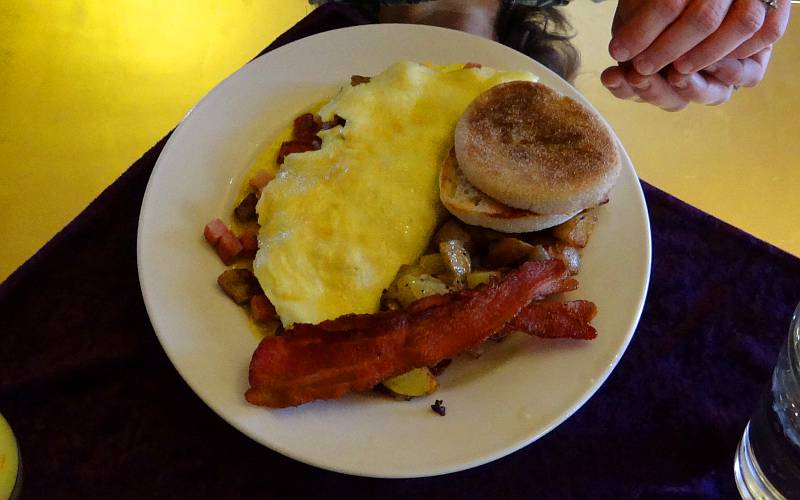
(565,320)
(364,321)
(328,360)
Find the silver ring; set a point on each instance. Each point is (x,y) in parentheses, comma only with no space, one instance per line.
(770,4)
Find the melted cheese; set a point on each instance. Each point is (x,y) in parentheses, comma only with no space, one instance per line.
(337,223)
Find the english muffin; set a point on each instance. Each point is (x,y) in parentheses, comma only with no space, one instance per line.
(533,149)
(472,206)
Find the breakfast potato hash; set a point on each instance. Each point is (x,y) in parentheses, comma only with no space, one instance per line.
(341,224)
(458,256)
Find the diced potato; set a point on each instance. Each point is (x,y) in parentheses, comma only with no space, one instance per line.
(452,230)
(239,284)
(576,231)
(391,293)
(569,255)
(479,277)
(412,287)
(432,264)
(457,260)
(510,251)
(417,382)
(406,269)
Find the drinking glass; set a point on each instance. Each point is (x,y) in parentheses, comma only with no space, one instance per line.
(10,467)
(767,464)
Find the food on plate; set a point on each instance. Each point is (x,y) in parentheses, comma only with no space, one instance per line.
(413,383)
(527,158)
(260,179)
(556,320)
(356,352)
(474,207)
(345,240)
(576,231)
(246,210)
(338,222)
(227,245)
(262,310)
(239,284)
(249,241)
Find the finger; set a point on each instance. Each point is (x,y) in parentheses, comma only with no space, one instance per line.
(655,90)
(615,24)
(744,19)
(728,71)
(771,31)
(643,27)
(755,68)
(700,19)
(705,89)
(614,80)
(741,72)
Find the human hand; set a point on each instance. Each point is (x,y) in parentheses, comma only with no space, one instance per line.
(693,34)
(673,91)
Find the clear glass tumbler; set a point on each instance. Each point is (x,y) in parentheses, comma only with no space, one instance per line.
(767,463)
(10,467)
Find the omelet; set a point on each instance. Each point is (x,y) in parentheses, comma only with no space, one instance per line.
(337,223)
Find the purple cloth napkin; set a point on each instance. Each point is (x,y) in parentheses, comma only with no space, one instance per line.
(100,412)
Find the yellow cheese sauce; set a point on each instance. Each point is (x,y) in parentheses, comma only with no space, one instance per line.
(266,159)
(337,223)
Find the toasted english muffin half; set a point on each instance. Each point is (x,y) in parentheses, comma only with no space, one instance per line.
(476,208)
(531,148)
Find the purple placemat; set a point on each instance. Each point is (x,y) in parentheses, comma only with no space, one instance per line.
(100,412)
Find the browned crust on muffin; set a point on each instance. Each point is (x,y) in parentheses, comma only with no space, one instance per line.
(533,149)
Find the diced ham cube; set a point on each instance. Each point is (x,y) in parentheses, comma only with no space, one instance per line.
(262,309)
(261,179)
(228,248)
(472,65)
(214,230)
(249,241)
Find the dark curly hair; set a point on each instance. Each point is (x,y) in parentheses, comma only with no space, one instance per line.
(541,33)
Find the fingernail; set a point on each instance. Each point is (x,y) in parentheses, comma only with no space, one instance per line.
(683,66)
(642,85)
(619,52)
(612,85)
(712,68)
(645,67)
(681,84)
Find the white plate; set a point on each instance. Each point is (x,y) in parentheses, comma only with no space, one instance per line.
(518,391)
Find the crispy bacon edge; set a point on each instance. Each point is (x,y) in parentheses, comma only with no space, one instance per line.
(556,320)
(356,352)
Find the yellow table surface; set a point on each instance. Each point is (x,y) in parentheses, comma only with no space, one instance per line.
(86,86)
